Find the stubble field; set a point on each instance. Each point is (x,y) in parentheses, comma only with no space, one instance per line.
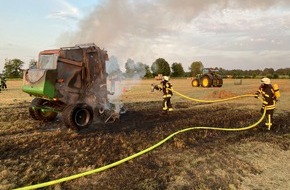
(34,152)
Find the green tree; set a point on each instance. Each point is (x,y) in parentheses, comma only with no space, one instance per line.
(13,68)
(112,66)
(32,64)
(196,68)
(177,70)
(284,71)
(130,67)
(160,66)
(268,71)
(148,73)
(275,76)
(140,69)
(237,73)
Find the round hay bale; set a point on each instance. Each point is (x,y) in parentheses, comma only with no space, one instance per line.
(238,82)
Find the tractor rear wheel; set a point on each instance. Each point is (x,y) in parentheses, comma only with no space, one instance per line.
(220,83)
(195,83)
(36,111)
(78,116)
(206,81)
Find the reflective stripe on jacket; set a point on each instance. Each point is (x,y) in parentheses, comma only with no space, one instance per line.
(165,86)
(268,95)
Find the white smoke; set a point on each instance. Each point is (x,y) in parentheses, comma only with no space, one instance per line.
(138,29)
(112,65)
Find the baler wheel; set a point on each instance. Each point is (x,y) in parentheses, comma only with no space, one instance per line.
(36,111)
(31,113)
(78,116)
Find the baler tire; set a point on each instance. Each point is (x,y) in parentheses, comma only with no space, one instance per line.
(78,116)
(32,114)
(38,113)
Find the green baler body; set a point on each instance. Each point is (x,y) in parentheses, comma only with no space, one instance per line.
(40,83)
(69,75)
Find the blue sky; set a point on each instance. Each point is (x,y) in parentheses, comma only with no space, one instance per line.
(29,26)
(232,34)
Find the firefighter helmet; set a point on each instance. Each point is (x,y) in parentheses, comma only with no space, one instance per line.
(265,81)
(166,78)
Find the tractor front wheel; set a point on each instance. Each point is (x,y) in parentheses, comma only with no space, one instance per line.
(195,83)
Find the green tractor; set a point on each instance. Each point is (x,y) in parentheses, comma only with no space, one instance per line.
(208,78)
(70,81)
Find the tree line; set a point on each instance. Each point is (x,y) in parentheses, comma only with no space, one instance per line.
(14,69)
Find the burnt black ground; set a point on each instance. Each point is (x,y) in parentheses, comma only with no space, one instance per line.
(33,152)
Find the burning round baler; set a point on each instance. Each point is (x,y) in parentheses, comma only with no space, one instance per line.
(73,81)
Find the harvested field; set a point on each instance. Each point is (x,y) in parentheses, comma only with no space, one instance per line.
(33,152)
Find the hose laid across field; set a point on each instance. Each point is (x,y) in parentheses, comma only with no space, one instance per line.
(212,101)
(54,182)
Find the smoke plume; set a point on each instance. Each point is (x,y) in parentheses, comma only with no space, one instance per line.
(138,29)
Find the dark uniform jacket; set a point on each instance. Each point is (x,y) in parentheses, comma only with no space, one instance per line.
(165,87)
(267,92)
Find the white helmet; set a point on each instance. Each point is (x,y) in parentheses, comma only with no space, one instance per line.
(265,81)
(166,78)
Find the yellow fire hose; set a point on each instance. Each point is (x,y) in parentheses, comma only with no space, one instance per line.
(54,182)
(211,101)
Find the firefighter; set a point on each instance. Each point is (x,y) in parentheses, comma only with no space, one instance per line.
(113,80)
(269,100)
(3,83)
(165,86)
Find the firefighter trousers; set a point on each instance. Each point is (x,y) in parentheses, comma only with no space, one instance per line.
(269,117)
(167,104)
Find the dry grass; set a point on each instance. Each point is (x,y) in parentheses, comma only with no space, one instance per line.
(140,91)
(14,93)
(34,152)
